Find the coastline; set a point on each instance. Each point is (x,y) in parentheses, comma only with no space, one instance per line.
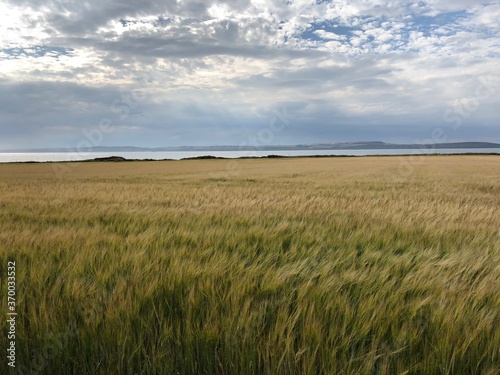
(120,159)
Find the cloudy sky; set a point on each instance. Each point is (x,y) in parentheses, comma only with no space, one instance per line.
(190,72)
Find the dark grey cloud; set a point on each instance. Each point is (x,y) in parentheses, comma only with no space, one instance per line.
(183,47)
(77,18)
(33,109)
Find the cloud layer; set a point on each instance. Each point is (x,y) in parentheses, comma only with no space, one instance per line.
(217,72)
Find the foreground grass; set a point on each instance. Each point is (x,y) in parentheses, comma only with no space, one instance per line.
(300,266)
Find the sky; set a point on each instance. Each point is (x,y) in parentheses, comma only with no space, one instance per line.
(80,74)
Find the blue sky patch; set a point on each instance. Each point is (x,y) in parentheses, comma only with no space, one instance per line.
(338,29)
(427,24)
(448,23)
(37,51)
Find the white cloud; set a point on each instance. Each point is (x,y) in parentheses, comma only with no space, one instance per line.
(486,16)
(329,35)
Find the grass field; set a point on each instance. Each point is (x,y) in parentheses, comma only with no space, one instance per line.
(275,266)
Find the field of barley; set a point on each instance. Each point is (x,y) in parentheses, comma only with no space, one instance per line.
(360,265)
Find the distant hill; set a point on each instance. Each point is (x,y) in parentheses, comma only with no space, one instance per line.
(370,145)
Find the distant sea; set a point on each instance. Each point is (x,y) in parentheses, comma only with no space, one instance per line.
(177,155)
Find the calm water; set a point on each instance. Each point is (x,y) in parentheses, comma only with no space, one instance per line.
(68,156)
